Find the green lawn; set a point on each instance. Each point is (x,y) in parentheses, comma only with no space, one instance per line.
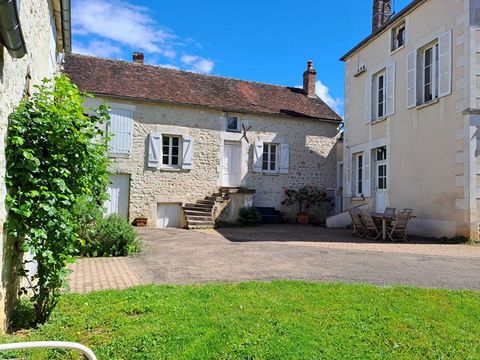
(279,320)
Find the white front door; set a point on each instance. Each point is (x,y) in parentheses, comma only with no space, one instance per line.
(232,164)
(168,215)
(119,193)
(381,179)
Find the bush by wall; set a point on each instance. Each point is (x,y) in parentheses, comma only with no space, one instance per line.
(111,236)
(249,216)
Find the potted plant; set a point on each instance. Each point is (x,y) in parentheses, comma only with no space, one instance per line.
(140,221)
(304,198)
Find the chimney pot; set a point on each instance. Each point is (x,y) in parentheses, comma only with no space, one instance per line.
(382,10)
(138,57)
(309,78)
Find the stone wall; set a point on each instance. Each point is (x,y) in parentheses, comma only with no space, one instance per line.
(38,31)
(312,155)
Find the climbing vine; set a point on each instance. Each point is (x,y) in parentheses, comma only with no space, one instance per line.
(56,159)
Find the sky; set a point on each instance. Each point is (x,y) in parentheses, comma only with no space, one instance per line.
(266,41)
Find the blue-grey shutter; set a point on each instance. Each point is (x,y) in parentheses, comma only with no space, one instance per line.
(412,79)
(120,128)
(154,149)
(187,162)
(445,64)
(258,157)
(390,91)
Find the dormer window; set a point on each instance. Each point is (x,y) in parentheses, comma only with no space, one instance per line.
(398,37)
(233,123)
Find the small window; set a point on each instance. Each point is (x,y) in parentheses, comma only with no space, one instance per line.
(430,72)
(358,174)
(382,176)
(381,154)
(398,37)
(171,151)
(379,95)
(233,124)
(270,157)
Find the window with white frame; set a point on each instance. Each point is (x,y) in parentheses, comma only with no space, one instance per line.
(379,95)
(270,157)
(381,157)
(430,72)
(233,123)
(398,37)
(358,174)
(171,151)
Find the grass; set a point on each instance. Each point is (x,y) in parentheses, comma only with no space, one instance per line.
(278,320)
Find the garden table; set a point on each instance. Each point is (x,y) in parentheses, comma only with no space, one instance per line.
(385,218)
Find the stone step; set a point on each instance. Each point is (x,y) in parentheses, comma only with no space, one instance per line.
(198,206)
(197,224)
(193,227)
(206,202)
(197,212)
(214,198)
(191,218)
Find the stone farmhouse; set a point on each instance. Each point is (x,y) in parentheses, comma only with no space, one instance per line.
(33,36)
(412,115)
(191,149)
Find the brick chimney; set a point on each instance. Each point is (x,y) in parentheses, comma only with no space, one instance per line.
(382,10)
(309,77)
(138,57)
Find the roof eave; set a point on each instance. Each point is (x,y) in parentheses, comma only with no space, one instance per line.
(408,9)
(233,110)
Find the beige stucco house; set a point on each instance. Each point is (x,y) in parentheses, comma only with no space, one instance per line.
(33,34)
(191,149)
(412,111)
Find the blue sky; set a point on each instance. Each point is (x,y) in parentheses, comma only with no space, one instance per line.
(260,40)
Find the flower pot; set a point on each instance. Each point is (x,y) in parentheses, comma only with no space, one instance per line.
(303,219)
(140,222)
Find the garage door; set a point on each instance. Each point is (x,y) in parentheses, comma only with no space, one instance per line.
(169,215)
(119,193)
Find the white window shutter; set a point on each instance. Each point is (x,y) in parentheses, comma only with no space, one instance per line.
(154,150)
(258,156)
(412,79)
(390,93)
(445,64)
(284,158)
(187,162)
(348,175)
(120,129)
(367,187)
(368,100)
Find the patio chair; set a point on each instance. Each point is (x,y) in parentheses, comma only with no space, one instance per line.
(397,230)
(390,211)
(372,230)
(359,228)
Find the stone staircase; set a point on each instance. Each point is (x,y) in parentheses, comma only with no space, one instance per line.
(199,215)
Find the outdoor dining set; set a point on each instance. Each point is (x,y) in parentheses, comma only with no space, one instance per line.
(373,225)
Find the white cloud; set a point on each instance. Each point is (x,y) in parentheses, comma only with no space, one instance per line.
(323,92)
(98,48)
(122,22)
(110,28)
(198,64)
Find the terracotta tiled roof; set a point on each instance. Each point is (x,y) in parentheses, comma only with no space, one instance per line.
(137,81)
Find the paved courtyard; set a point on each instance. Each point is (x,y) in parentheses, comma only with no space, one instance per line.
(175,256)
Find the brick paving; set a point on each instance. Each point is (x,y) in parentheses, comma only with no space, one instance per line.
(265,253)
(92,274)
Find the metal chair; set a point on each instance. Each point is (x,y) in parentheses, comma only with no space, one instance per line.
(359,228)
(372,230)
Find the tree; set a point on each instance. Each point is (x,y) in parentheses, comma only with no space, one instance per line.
(56,158)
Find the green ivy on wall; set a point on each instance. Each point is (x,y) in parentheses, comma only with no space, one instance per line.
(56,159)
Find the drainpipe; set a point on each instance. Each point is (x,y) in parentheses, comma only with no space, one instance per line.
(66,26)
(10,30)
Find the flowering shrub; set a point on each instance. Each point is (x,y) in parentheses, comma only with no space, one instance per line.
(304,198)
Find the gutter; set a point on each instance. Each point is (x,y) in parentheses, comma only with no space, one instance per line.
(67,26)
(10,29)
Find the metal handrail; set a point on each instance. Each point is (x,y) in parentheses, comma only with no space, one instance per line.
(49,345)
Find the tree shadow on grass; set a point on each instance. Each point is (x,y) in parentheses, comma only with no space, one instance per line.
(23,317)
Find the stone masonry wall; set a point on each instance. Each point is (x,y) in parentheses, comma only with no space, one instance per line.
(38,31)
(312,156)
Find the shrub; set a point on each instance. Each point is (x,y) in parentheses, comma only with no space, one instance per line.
(304,198)
(111,236)
(249,216)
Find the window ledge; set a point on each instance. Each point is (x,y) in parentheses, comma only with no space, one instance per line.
(233,131)
(358,198)
(397,50)
(270,173)
(377,121)
(170,169)
(119,156)
(429,103)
